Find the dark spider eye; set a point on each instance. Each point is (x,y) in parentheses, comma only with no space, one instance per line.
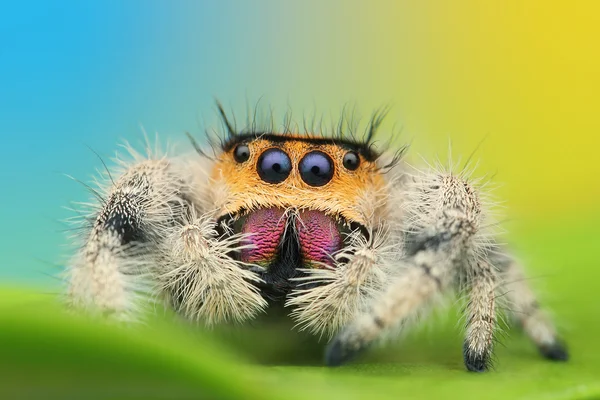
(274,166)
(316,168)
(241,153)
(351,161)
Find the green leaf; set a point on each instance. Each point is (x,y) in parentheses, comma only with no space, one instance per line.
(46,353)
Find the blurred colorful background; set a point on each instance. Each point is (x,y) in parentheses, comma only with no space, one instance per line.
(520,76)
(516,80)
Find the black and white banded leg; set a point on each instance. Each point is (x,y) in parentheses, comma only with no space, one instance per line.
(446,214)
(146,241)
(481,316)
(523,308)
(111,272)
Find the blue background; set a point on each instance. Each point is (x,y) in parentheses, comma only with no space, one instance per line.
(79,74)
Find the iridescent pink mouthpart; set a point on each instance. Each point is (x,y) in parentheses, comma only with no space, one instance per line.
(266,228)
(319,237)
(317,234)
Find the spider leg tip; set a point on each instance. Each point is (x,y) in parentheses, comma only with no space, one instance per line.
(476,362)
(338,353)
(555,352)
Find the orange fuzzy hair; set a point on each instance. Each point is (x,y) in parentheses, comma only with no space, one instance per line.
(354,196)
(342,196)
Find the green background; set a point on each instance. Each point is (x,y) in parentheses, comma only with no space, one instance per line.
(49,354)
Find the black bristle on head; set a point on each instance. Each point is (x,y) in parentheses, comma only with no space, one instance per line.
(375,122)
(343,132)
(230,128)
(196,146)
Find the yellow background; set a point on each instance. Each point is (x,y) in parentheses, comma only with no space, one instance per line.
(521,76)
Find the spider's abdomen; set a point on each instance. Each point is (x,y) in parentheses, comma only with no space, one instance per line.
(315,237)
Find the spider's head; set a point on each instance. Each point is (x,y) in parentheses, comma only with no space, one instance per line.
(296,195)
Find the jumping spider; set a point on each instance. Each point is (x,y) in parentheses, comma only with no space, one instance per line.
(353,241)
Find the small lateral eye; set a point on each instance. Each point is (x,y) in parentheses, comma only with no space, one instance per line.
(241,153)
(351,161)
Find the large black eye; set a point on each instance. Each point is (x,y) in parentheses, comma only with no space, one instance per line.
(316,168)
(274,166)
(241,153)
(351,161)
